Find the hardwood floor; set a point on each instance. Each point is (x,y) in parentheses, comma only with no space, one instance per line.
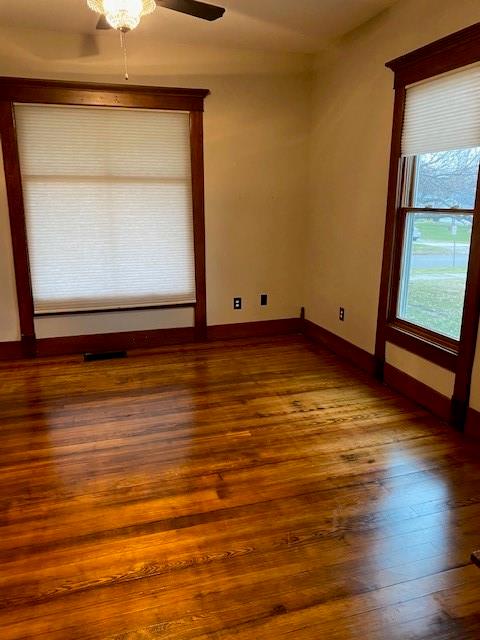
(251,490)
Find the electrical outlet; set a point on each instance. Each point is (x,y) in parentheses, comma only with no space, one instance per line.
(237,303)
(341,314)
(263,300)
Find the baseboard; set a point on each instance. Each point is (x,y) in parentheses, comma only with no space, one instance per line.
(357,356)
(425,396)
(121,341)
(472,425)
(11,350)
(127,340)
(264,328)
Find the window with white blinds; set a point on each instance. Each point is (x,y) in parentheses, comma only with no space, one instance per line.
(108,206)
(435,214)
(443,114)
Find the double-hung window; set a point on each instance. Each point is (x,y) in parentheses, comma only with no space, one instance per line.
(437,192)
(105,188)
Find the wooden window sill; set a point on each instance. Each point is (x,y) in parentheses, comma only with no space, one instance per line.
(441,355)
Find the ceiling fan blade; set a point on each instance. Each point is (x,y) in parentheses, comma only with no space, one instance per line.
(103,24)
(193,8)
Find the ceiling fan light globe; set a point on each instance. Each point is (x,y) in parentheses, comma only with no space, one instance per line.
(123,20)
(133,7)
(123,14)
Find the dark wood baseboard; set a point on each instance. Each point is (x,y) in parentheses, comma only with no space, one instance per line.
(425,396)
(472,425)
(357,356)
(259,329)
(11,350)
(122,341)
(127,340)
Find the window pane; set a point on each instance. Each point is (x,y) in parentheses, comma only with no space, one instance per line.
(434,271)
(447,180)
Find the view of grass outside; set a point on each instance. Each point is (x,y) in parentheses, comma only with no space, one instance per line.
(437,246)
(435,272)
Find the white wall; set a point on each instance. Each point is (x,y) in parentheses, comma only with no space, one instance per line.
(352,120)
(256,177)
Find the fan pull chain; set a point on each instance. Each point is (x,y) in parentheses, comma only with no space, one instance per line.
(123,44)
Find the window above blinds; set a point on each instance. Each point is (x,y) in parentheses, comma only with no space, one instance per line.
(443,114)
(108,205)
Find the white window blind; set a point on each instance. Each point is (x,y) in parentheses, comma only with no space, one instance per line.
(108,206)
(443,114)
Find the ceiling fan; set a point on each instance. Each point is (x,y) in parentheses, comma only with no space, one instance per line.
(125,15)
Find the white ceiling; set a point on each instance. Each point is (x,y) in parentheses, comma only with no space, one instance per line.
(274,25)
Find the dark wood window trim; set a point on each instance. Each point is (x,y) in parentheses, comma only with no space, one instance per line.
(14,90)
(453,52)
(423,347)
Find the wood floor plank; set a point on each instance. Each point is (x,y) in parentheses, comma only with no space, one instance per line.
(241,490)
